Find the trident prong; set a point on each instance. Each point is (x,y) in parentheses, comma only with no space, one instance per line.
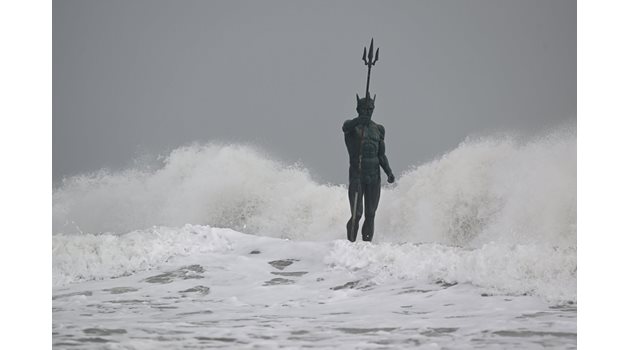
(371,60)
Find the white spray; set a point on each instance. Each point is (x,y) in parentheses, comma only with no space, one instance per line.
(495,211)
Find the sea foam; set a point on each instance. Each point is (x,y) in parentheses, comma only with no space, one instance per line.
(485,190)
(495,211)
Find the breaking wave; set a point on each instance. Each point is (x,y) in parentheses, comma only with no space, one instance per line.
(489,189)
(491,199)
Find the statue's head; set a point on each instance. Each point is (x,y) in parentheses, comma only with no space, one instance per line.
(365,106)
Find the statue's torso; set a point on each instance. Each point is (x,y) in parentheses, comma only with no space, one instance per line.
(364,162)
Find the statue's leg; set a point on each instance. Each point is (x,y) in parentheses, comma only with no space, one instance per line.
(355,194)
(372,196)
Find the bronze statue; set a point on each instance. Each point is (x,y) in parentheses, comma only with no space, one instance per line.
(365,141)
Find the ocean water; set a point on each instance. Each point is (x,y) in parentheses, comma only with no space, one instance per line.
(221,246)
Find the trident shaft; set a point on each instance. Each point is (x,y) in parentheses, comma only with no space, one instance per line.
(370,61)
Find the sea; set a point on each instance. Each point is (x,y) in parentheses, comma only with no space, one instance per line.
(222,246)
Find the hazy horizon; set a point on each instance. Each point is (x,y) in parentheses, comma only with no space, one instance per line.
(146,77)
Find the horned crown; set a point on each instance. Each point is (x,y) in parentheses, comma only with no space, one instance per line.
(366,102)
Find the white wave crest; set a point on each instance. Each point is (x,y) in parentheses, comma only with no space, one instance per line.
(493,189)
(513,269)
(87,257)
(495,212)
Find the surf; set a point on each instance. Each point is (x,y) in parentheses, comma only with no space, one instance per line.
(487,189)
(496,211)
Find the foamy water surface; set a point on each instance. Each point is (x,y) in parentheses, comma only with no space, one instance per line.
(474,249)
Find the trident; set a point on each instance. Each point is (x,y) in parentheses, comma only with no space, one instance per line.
(369,62)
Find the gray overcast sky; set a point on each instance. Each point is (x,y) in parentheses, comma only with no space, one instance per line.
(150,75)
